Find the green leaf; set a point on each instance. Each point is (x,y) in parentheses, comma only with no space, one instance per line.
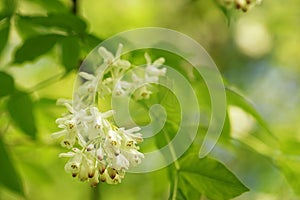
(9,177)
(89,42)
(290,168)
(9,8)
(70,53)
(186,191)
(225,135)
(4,33)
(64,21)
(50,6)
(236,98)
(36,46)
(7,84)
(20,109)
(210,178)
(26,29)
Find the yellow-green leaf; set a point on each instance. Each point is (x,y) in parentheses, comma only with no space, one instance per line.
(20,108)
(6,83)
(210,178)
(36,46)
(70,53)
(9,177)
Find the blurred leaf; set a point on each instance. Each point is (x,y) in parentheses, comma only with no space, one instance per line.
(210,178)
(241,156)
(226,128)
(9,177)
(26,29)
(50,6)
(36,46)
(36,171)
(7,84)
(47,102)
(20,109)
(9,8)
(64,21)
(89,42)
(70,53)
(290,168)
(237,99)
(46,113)
(4,33)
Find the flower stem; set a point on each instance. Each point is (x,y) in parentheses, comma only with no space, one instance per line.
(75,7)
(173,154)
(176,164)
(95,194)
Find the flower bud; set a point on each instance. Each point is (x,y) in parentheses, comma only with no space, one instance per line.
(83,173)
(94,180)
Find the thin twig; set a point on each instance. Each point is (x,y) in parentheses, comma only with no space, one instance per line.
(46,82)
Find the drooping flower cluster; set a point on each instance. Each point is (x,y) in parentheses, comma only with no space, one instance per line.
(101,151)
(243,5)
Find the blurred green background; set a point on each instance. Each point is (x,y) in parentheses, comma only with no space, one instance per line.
(256,52)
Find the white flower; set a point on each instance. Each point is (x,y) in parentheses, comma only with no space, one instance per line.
(152,70)
(105,88)
(100,153)
(104,150)
(142,93)
(99,123)
(112,176)
(89,85)
(244,5)
(131,137)
(95,179)
(107,150)
(116,67)
(74,164)
(122,88)
(72,124)
(134,156)
(112,60)
(120,162)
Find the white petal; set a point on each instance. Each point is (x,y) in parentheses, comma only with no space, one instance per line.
(108,114)
(87,76)
(58,134)
(120,162)
(159,62)
(147,57)
(119,50)
(136,79)
(63,101)
(68,154)
(81,141)
(106,55)
(123,64)
(69,107)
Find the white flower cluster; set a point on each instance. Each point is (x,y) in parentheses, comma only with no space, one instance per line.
(243,5)
(118,67)
(101,151)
